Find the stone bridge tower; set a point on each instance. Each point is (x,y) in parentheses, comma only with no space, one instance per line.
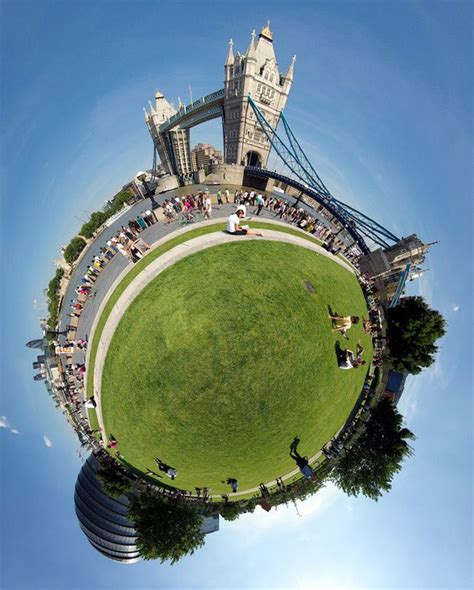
(255,73)
(173,147)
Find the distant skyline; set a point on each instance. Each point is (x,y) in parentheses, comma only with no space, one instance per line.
(382,103)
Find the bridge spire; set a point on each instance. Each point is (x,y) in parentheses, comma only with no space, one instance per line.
(289,73)
(251,50)
(152,110)
(230,55)
(265,32)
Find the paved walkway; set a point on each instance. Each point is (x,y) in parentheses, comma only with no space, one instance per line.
(118,267)
(154,269)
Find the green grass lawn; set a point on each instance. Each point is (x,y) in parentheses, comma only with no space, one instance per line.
(153,255)
(225,357)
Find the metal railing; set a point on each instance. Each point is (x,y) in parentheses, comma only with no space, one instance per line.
(185,111)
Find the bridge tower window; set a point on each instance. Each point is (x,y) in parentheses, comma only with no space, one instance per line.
(253,159)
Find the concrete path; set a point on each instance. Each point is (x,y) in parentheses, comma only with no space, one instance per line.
(154,269)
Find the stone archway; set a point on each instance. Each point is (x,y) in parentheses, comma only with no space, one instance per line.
(253,159)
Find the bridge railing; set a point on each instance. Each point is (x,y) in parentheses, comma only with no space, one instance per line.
(188,110)
(328,204)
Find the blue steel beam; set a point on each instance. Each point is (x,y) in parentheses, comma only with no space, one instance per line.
(336,212)
(294,158)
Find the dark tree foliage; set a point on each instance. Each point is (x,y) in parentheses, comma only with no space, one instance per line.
(413,328)
(73,249)
(96,220)
(52,294)
(369,466)
(166,529)
(115,484)
(230,511)
(117,202)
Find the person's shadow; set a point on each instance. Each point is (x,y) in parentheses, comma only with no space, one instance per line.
(297,458)
(294,445)
(340,354)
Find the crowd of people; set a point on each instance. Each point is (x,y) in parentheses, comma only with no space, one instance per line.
(128,242)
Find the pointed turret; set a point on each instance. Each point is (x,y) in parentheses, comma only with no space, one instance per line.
(266,33)
(152,110)
(251,50)
(290,71)
(230,55)
(145,115)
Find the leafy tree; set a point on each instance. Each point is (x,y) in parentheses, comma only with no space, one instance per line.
(413,328)
(230,511)
(117,202)
(52,293)
(166,529)
(73,249)
(96,220)
(115,484)
(369,466)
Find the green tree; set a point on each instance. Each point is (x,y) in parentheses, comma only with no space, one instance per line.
(52,294)
(96,220)
(413,328)
(166,529)
(230,511)
(115,484)
(118,201)
(73,249)
(369,466)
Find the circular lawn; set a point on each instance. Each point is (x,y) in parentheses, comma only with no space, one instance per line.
(228,355)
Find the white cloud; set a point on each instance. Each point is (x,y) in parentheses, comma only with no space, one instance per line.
(5,424)
(408,404)
(47,442)
(284,518)
(456,307)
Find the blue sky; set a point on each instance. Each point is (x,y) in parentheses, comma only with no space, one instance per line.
(382,102)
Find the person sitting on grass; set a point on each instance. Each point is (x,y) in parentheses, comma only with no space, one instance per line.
(343,323)
(234,227)
(349,360)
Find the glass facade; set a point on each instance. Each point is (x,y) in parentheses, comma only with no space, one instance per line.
(104,519)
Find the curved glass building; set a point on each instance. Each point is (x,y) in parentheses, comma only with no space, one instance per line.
(104,519)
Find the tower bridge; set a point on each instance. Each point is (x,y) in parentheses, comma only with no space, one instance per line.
(255,73)
(250,106)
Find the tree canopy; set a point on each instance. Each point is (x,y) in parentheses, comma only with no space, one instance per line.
(230,511)
(166,529)
(115,484)
(369,466)
(96,220)
(52,294)
(73,249)
(413,328)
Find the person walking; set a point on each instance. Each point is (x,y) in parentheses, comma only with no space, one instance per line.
(207,205)
(227,195)
(234,484)
(140,222)
(259,201)
(302,463)
(149,218)
(219,198)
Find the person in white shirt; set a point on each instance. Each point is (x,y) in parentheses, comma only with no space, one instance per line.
(234,227)
(349,360)
(207,206)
